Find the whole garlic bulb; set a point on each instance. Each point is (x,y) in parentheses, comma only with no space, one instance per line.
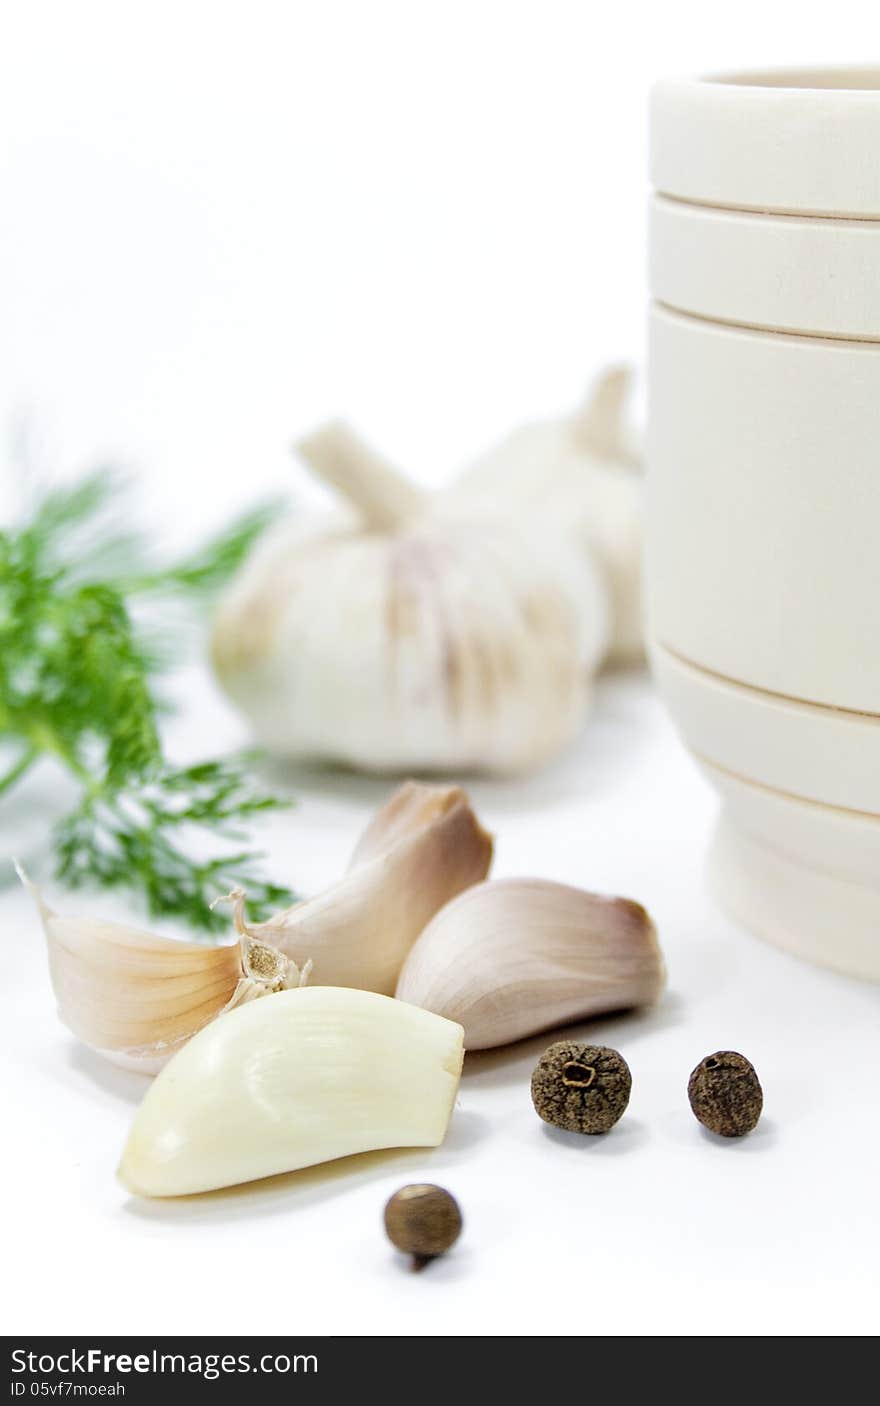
(579,476)
(396,637)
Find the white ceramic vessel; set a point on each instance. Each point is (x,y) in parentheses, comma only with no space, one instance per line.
(761,270)
(821,754)
(764,488)
(792,142)
(801,875)
(764,506)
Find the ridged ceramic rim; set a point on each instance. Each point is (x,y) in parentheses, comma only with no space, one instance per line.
(819,754)
(779,273)
(805,877)
(827,839)
(814,916)
(799,141)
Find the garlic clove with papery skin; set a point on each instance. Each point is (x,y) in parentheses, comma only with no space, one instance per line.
(513,957)
(136,997)
(424,846)
(400,637)
(309,1076)
(416,809)
(580,476)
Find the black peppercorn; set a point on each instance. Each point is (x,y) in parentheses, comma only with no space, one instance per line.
(422,1220)
(725,1094)
(583,1088)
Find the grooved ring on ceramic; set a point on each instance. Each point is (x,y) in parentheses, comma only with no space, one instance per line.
(798,141)
(763,560)
(778,272)
(820,754)
(804,876)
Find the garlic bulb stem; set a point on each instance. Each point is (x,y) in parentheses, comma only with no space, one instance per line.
(600,425)
(384,497)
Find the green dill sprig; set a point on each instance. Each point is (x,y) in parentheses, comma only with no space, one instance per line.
(212,564)
(76,684)
(132,838)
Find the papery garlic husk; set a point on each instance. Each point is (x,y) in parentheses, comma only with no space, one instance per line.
(512,957)
(136,997)
(309,1076)
(579,476)
(424,846)
(397,637)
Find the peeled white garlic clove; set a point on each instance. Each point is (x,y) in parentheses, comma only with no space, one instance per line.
(578,476)
(136,997)
(424,846)
(513,957)
(401,637)
(311,1075)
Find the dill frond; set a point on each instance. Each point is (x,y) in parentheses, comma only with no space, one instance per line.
(77,684)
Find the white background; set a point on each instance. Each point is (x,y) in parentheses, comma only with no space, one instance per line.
(219,224)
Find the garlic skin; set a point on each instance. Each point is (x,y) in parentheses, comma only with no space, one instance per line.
(309,1076)
(422,848)
(135,997)
(513,957)
(399,637)
(581,478)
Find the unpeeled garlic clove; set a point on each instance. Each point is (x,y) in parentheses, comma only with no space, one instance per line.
(136,997)
(513,957)
(311,1075)
(420,850)
(411,809)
